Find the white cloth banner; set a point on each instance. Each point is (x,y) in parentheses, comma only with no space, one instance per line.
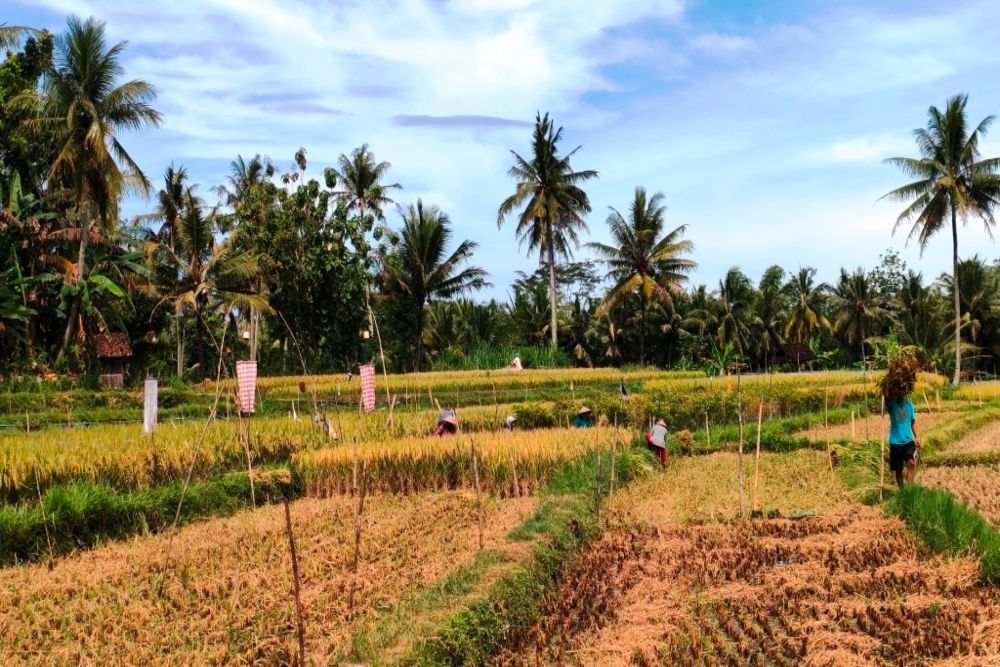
(246,380)
(149,406)
(368,388)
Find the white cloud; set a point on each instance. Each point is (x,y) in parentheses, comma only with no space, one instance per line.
(870,150)
(715,43)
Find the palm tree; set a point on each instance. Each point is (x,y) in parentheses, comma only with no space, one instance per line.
(169,204)
(806,318)
(11,35)
(857,307)
(770,312)
(952,182)
(82,105)
(980,298)
(359,180)
(199,273)
(420,268)
(252,196)
(643,259)
(549,191)
(736,315)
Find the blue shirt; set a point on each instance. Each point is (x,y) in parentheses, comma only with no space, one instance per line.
(901,418)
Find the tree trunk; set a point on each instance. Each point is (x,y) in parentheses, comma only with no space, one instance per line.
(642,331)
(74,310)
(420,337)
(179,332)
(861,328)
(553,297)
(958,301)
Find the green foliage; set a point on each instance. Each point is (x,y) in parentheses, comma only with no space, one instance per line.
(83,514)
(950,527)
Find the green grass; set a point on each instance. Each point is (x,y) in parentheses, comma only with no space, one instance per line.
(84,514)
(948,526)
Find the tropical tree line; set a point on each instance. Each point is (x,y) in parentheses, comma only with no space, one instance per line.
(320,271)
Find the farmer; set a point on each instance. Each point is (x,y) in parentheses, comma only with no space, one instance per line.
(447,423)
(584,418)
(903,442)
(509,422)
(515,365)
(656,440)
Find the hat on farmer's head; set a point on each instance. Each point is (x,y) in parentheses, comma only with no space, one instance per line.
(450,419)
(660,422)
(584,411)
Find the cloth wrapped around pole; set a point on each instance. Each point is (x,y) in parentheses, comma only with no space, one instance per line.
(368,388)
(149,406)
(246,380)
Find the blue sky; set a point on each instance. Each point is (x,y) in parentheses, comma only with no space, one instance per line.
(763,123)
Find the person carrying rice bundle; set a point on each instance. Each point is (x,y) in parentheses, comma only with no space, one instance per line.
(897,384)
(656,440)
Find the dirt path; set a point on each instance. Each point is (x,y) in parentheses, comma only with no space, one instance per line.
(228,597)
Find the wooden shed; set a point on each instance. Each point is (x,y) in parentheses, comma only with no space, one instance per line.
(113,352)
(793,354)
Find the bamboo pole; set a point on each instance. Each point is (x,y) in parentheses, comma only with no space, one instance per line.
(852,424)
(826,427)
(756,460)
(708,433)
(359,510)
(739,417)
(299,621)
(479,500)
(614,453)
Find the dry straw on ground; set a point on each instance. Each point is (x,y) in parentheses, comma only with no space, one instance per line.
(228,596)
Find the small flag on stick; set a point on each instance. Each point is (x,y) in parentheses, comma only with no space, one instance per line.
(246,381)
(149,406)
(368,388)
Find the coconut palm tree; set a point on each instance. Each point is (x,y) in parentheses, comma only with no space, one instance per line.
(770,308)
(551,203)
(805,317)
(359,180)
(12,35)
(420,269)
(643,260)
(169,204)
(82,105)
(857,307)
(736,316)
(953,181)
(199,273)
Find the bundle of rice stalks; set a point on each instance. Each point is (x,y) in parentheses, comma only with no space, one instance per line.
(900,377)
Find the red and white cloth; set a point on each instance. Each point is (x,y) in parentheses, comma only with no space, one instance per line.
(246,381)
(368,388)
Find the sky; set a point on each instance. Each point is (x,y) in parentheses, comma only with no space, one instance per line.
(764,123)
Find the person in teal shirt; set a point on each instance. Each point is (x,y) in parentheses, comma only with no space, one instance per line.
(584,418)
(903,442)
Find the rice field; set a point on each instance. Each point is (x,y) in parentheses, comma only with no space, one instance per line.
(228,599)
(978,486)
(679,580)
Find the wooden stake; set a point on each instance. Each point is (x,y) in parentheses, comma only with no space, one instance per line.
(852,424)
(27,422)
(479,500)
(937,399)
(300,623)
(756,460)
(826,428)
(357,538)
(926,401)
(740,418)
(517,483)
(708,433)
(614,453)
(881,469)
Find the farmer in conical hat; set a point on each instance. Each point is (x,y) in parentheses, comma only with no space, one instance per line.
(515,365)
(509,422)
(656,440)
(584,418)
(447,423)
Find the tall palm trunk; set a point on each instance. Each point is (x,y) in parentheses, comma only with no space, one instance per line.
(642,331)
(74,310)
(958,302)
(553,297)
(179,332)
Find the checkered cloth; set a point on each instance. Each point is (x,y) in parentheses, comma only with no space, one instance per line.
(368,388)
(149,405)
(246,380)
